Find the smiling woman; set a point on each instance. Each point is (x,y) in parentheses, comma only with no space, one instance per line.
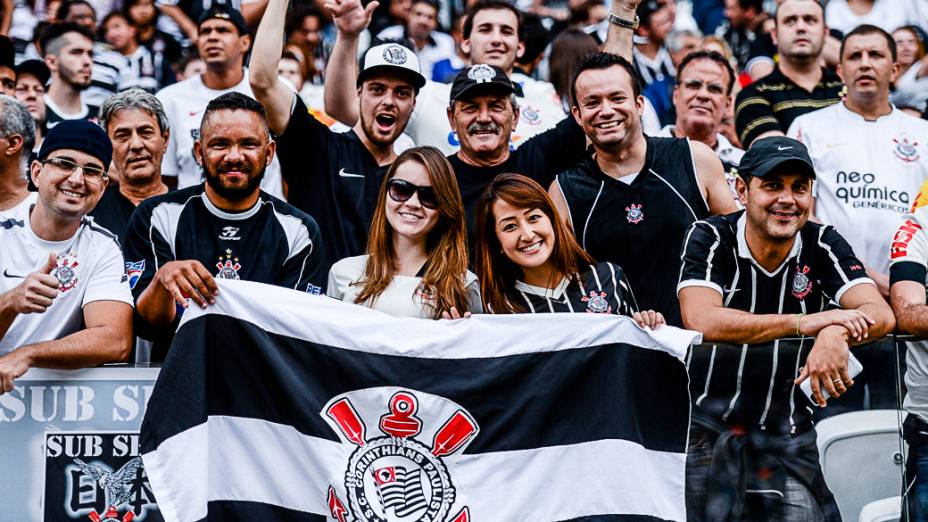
(416,265)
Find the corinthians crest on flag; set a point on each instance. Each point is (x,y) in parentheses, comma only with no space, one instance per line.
(277,405)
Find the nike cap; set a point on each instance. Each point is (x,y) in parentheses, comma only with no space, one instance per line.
(768,155)
(389,56)
(478,79)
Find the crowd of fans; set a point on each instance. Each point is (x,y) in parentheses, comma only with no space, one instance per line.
(751,169)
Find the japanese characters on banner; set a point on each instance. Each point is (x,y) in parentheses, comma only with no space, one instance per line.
(70,447)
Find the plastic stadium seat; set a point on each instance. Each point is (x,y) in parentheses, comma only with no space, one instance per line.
(861,457)
(885,510)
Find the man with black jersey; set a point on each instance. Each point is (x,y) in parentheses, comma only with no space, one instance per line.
(757,276)
(228,225)
(340,180)
(631,203)
(137,127)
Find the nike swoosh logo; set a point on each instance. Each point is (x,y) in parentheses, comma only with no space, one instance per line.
(783,148)
(6,273)
(342,173)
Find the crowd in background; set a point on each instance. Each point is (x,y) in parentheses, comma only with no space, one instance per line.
(751,169)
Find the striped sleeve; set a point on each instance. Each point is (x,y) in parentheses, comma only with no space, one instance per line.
(839,269)
(908,252)
(753,116)
(702,258)
(145,249)
(303,269)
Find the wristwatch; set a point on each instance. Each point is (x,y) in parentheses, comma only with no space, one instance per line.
(621,22)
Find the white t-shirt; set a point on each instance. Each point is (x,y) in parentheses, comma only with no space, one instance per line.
(184,103)
(888,15)
(401,298)
(90,268)
(440,47)
(540,110)
(20,211)
(868,173)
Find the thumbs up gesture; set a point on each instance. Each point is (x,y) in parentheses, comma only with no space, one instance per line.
(37,291)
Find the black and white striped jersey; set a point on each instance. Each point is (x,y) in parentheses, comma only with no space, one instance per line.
(271,243)
(602,289)
(753,385)
(641,225)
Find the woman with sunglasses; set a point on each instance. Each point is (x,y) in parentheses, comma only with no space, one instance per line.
(529,261)
(416,265)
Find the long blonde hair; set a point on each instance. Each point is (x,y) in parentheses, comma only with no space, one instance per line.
(446,244)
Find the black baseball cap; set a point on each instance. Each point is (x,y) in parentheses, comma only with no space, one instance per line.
(36,68)
(480,78)
(7,53)
(768,155)
(225,12)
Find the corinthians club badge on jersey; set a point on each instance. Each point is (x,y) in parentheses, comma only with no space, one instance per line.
(596,303)
(802,285)
(66,271)
(228,266)
(634,214)
(402,473)
(906,149)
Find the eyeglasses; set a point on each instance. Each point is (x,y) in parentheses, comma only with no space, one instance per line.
(401,190)
(92,173)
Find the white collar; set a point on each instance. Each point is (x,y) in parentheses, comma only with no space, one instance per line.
(745,252)
(540,291)
(231,216)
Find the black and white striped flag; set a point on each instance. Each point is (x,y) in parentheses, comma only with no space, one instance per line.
(277,405)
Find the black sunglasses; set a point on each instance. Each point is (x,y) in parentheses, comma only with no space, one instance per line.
(401,190)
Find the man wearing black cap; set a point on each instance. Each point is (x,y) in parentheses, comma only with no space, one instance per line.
(31,78)
(7,66)
(64,296)
(336,176)
(222,42)
(756,276)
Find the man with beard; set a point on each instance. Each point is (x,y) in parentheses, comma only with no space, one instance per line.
(798,84)
(227,228)
(336,176)
(137,127)
(757,276)
(68,52)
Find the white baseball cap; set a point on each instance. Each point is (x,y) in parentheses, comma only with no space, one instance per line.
(394,56)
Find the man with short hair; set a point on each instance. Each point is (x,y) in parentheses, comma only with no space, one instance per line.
(31,78)
(138,128)
(227,228)
(68,52)
(422,28)
(64,299)
(7,66)
(222,42)
(702,98)
(17,137)
(798,84)
(757,276)
(105,76)
(340,185)
(632,201)
(492,36)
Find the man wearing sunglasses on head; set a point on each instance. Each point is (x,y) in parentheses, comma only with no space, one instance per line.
(179,243)
(64,295)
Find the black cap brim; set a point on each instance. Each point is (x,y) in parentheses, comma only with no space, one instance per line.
(483,88)
(35,68)
(776,165)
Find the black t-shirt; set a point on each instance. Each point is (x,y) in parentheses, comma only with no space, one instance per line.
(774,101)
(52,118)
(333,177)
(541,157)
(271,243)
(113,212)
(639,226)
(754,385)
(602,289)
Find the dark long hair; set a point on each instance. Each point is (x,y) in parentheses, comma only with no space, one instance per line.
(497,273)
(446,244)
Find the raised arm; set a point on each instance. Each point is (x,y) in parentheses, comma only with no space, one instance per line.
(273,94)
(106,338)
(341,72)
(618,38)
(711,176)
